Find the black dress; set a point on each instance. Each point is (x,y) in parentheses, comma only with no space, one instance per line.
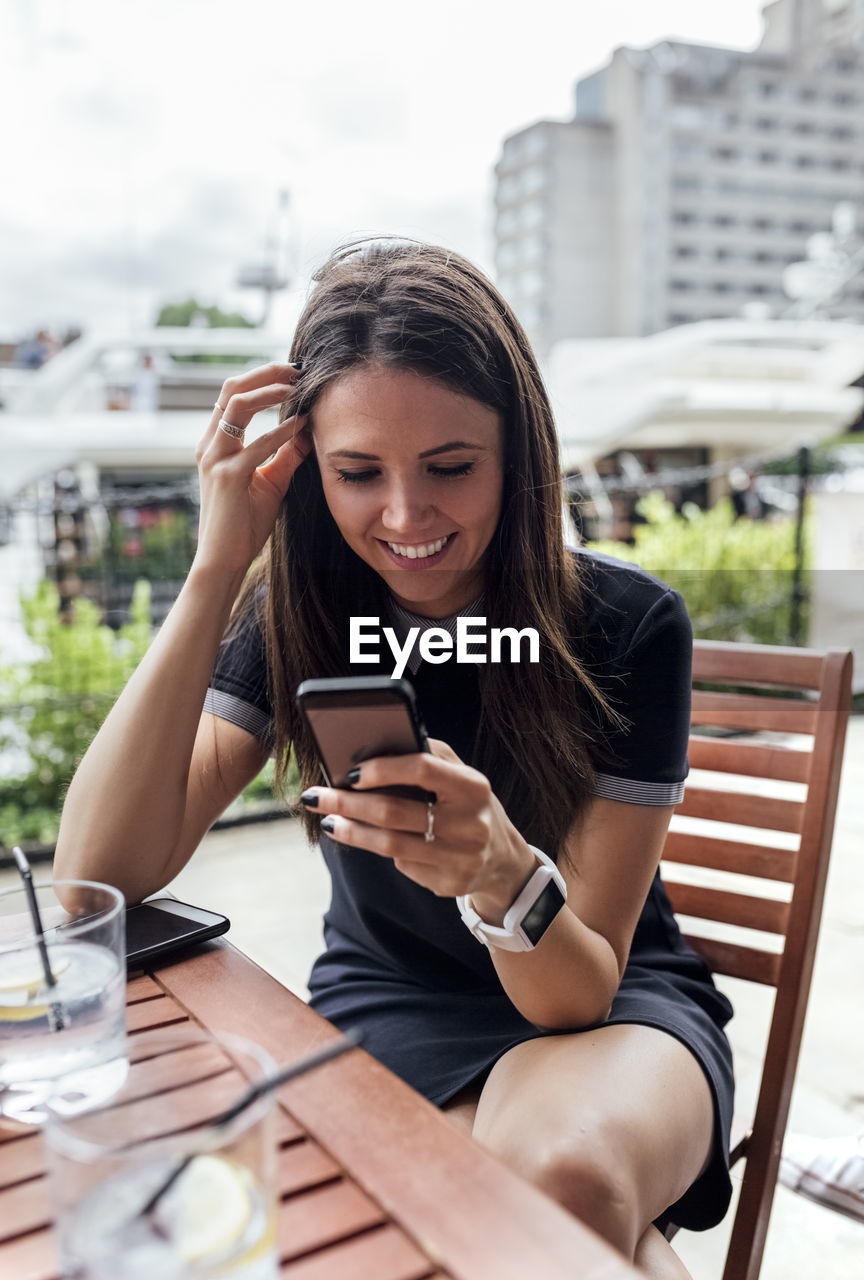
(399,962)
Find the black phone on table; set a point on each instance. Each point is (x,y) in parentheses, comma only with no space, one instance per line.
(355,718)
(162,925)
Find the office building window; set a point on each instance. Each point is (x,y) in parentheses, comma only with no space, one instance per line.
(532,179)
(533,215)
(508,222)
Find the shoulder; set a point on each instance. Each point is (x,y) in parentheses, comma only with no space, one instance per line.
(622,605)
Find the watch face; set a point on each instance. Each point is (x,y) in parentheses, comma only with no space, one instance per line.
(539,917)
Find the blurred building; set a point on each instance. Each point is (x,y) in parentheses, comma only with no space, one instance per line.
(688,179)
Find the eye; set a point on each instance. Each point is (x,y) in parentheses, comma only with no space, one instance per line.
(356,477)
(463,469)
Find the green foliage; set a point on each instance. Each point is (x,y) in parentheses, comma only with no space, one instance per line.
(52,704)
(736,576)
(159,552)
(181,314)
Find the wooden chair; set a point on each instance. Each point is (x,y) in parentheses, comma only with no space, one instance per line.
(787,692)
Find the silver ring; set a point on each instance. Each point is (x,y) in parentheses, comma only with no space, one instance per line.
(236,433)
(429,833)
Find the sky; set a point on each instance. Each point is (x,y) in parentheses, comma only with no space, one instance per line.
(146,141)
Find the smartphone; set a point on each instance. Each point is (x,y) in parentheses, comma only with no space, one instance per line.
(355,718)
(160,926)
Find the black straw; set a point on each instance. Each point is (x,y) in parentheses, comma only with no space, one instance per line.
(27,876)
(56,1017)
(350,1040)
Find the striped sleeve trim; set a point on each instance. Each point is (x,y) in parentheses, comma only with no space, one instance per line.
(228,707)
(630,792)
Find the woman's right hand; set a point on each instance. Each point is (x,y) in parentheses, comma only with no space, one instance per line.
(243,485)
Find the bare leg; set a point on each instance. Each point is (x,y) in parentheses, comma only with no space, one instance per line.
(614,1123)
(657,1259)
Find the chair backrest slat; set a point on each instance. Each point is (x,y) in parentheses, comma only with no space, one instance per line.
(728,855)
(738,961)
(757,664)
(719,755)
(745,910)
(750,711)
(742,809)
(819,695)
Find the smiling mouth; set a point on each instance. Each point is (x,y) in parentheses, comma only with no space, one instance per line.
(418,551)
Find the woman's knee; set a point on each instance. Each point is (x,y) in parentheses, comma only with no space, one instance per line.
(584,1172)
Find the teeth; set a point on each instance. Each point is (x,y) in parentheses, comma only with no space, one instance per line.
(418,553)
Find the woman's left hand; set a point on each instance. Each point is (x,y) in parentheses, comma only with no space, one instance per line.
(475,850)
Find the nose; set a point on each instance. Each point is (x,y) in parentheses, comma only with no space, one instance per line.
(407,510)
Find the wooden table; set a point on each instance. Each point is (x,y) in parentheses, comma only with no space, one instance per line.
(374,1183)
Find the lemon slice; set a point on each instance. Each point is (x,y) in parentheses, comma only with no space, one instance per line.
(21,977)
(24,974)
(212,1209)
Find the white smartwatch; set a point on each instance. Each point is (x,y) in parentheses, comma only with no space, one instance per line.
(530,915)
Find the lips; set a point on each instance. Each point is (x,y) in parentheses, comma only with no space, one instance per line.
(418,555)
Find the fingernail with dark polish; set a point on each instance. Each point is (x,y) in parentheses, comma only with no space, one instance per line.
(328,824)
(352,776)
(310,799)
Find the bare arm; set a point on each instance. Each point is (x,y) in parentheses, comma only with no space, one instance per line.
(158,774)
(570,978)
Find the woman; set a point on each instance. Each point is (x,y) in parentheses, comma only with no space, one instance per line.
(414,477)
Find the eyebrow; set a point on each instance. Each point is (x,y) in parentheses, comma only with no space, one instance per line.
(428,453)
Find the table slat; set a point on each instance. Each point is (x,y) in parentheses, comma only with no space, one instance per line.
(153,1013)
(304,1165)
(324,1216)
(21,1160)
(384,1253)
(33,1257)
(25,1208)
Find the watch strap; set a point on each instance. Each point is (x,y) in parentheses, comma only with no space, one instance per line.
(530,915)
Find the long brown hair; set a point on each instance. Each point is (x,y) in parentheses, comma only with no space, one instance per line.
(417,307)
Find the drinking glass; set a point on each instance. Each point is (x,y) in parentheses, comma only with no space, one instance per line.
(67,1038)
(218,1217)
